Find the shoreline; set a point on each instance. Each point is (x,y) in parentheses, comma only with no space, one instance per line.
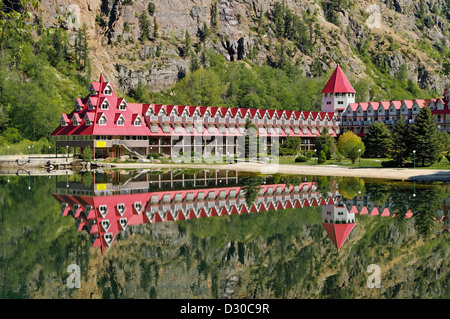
(9,165)
(424,175)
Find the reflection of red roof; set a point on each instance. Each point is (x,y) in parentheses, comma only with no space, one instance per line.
(338,232)
(338,83)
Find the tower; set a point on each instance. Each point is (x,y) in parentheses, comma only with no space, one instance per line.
(338,222)
(338,92)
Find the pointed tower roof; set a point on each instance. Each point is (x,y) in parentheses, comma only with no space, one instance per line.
(101,78)
(338,83)
(338,232)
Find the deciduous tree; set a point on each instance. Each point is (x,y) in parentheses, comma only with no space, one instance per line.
(351,146)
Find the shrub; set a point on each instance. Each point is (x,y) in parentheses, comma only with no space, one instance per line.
(87,154)
(155,155)
(389,164)
(301,159)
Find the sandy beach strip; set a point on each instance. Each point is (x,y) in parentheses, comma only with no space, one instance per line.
(426,175)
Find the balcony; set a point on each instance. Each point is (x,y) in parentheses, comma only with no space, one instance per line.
(389,122)
(356,122)
(346,123)
(165,119)
(368,122)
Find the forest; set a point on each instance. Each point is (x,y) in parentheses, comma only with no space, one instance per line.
(43,71)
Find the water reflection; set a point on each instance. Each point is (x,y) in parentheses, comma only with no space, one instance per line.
(106,204)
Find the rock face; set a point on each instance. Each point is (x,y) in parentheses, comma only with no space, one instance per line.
(117,49)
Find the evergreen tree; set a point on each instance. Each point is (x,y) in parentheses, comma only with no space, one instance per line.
(377,140)
(144,25)
(424,138)
(322,157)
(398,149)
(155,29)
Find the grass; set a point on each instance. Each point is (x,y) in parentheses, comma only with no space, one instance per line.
(365,162)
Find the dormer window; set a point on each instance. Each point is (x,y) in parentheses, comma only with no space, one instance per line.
(92,91)
(87,121)
(77,106)
(120,121)
(107,90)
(90,105)
(123,106)
(63,120)
(137,121)
(105,105)
(102,120)
(75,121)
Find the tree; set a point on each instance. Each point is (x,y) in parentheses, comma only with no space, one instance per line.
(351,146)
(87,154)
(424,138)
(398,149)
(326,143)
(291,145)
(377,140)
(322,157)
(202,87)
(144,25)
(151,8)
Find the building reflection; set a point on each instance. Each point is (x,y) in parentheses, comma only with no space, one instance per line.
(110,203)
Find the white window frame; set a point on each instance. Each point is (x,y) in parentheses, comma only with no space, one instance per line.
(120,121)
(102,120)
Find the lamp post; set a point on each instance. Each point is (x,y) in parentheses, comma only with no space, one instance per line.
(359,157)
(67,147)
(315,156)
(29,153)
(8,150)
(414,152)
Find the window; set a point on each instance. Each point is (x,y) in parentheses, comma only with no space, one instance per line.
(123,106)
(329,102)
(107,90)
(340,102)
(137,122)
(77,106)
(87,122)
(75,122)
(102,121)
(120,121)
(104,106)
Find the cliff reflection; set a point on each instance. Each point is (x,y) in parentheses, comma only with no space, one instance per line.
(107,204)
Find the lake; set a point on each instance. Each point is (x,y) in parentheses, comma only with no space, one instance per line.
(221,234)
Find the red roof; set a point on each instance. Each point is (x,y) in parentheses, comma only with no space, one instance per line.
(338,232)
(338,83)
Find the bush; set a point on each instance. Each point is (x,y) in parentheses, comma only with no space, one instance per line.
(309,154)
(389,164)
(155,155)
(301,159)
(87,154)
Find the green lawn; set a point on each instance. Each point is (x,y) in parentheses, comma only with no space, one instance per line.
(365,162)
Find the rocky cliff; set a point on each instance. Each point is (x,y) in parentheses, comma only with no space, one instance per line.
(361,35)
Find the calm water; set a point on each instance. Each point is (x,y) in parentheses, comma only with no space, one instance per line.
(221,234)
